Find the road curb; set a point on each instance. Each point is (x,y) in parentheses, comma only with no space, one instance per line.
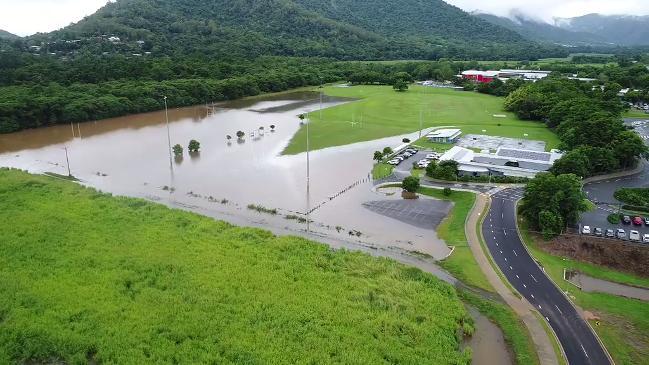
(599,340)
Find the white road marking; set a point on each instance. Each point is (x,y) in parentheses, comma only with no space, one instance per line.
(560,312)
(496,244)
(515,254)
(524,286)
(547,319)
(502,215)
(517,276)
(505,259)
(511,268)
(505,232)
(540,307)
(532,296)
(534,278)
(584,350)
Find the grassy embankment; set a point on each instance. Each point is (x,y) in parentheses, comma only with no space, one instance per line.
(386,113)
(463,266)
(634,113)
(86,277)
(624,323)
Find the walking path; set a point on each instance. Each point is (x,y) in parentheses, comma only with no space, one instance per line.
(522,307)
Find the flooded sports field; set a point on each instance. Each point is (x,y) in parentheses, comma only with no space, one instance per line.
(245,181)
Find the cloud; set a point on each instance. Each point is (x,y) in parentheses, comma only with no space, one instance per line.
(548,9)
(25,17)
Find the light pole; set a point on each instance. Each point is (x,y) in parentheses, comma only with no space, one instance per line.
(171,166)
(308,177)
(67,160)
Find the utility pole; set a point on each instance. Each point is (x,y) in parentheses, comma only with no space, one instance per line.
(308,177)
(168,135)
(67,160)
(421,121)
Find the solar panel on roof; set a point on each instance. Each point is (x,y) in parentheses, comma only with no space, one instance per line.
(524,155)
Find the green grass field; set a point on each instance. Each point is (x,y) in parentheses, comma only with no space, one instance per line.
(463,266)
(624,324)
(634,113)
(385,112)
(89,278)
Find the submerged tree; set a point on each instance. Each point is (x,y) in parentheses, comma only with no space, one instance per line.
(178,150)
(228,137)
(194,146)
(272,127)
(240,134)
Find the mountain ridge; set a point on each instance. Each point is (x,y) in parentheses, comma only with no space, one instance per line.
(342,29)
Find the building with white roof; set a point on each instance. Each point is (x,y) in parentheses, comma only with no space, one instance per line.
(505,162)
(444,135)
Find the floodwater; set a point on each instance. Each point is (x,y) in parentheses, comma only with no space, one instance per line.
(129,156)
(590,284)
(487,343)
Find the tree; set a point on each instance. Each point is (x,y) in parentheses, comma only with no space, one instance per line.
(561,195)
(178,150)
(387,151)
(448,191)
(272,127)
(378,156)
(240,134)
(574,162)
(410,184)
(628,146)
(400,85)
(550,224)
(194,146)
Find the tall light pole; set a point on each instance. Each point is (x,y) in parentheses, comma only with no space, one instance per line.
(67,160)
(171,165)
(308,177)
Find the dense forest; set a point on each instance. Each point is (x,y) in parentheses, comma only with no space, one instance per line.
(345,30)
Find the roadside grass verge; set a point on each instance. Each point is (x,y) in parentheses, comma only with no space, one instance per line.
(514,331)
(386,113)
(461,263)
(79,268)
(624,322)
(381,170)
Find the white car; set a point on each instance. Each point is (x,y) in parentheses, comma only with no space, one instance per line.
(423,165)
(393,162)
(645,238)
(634,236)
(432,156)
(585,230)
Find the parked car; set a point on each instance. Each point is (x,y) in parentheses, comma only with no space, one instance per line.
(432,156)
(634,236)
(637,221)
(645,238)
(394,162)
(626,219)
(610,233)
(646,221)
(598,232)
(621,234)
(585,230)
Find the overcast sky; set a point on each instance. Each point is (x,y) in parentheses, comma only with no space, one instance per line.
(24,17)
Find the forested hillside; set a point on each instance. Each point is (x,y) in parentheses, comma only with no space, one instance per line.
(368,29)
(6,35)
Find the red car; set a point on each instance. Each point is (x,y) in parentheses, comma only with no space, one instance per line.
(637,221)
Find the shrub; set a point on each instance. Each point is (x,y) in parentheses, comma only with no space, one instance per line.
(178,150)
(194,146)
(410,184)
(448,191)
(614,218)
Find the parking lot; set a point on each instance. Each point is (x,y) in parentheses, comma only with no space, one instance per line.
(601,193)
(422,213)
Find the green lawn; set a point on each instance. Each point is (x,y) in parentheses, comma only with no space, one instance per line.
(634,113)
(624,324)
(461,263)
(89,278)
(381,170)
(385,112)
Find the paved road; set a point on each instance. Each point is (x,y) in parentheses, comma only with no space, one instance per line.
(601,192)
(501,236)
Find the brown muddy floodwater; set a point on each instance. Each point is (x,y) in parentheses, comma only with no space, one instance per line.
(129,156)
